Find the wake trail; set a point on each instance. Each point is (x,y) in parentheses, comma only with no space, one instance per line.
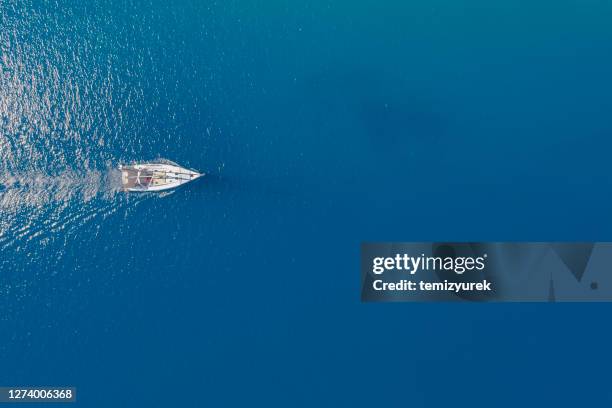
(35,205)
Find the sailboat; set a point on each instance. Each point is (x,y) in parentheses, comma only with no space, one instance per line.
(156,176)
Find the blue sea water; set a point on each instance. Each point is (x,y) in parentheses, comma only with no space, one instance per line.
(320,125)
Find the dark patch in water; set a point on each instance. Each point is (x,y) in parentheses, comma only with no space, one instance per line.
(394,114)
(393,124)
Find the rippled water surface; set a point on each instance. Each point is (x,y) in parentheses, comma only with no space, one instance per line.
(319,125)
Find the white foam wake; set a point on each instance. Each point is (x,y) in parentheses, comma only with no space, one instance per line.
(34,204)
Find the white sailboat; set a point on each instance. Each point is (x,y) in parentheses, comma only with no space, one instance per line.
(157,176)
